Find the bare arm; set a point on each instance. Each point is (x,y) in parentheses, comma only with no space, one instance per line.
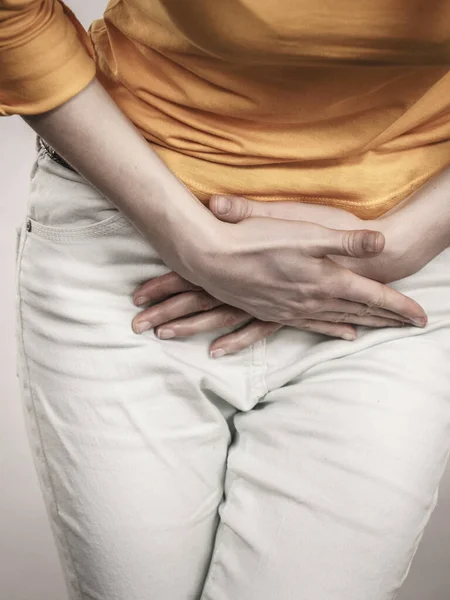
(262,266)
(416,230)
(244,266)
(98,140)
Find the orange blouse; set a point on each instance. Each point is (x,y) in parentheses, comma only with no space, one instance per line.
(340,103)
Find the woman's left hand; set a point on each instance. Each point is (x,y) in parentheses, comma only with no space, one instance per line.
(181,309)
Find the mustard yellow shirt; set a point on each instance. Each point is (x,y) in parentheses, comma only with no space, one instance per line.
(338,102)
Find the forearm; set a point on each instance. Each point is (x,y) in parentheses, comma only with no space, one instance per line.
(422,220)
(416,231)
(94,136)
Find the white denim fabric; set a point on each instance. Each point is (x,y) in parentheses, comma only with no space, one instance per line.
(304,467)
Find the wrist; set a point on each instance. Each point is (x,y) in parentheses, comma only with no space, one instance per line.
(97,139)
(421,222)
(396,235)
(406,245)
(184,232)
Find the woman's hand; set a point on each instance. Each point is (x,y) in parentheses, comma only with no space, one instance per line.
(181,309)
(402,255)
(273,270)
(207,313)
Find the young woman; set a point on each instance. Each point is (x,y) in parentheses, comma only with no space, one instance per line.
(235,169)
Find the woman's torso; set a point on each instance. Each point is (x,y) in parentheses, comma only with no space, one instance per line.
(344,103)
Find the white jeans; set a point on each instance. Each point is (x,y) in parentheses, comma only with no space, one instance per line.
(304,467)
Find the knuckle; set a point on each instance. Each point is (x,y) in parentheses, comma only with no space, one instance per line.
(308,325)
(203,302)
(271,327)
(322,290)
(267,329)
(229,318)
(240,208)
(355,242)
(310,305)
(377,301)
(341,318)
(246,209)
(284,315)
(364,311)
(349,242)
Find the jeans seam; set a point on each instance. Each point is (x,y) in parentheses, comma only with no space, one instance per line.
(218,542)
(75,234)
(35,431)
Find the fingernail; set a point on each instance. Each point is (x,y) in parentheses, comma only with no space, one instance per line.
(223,205)
(371,242)
(166,334)
(142,326)
(348,336)
(420,322)
(217,353)
(141,300)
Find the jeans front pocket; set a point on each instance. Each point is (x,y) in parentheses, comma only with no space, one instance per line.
(65,207)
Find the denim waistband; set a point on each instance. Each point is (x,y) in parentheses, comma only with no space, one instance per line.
(41,143)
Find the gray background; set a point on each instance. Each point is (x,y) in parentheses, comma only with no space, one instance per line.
(29,568)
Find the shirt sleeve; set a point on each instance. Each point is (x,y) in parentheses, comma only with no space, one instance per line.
(45,56)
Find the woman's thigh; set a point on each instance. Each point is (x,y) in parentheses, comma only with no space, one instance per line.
(130,433)
(333,476)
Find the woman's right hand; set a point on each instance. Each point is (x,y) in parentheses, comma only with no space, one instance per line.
(278,270)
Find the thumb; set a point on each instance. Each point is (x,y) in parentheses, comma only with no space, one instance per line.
(232,209)
(359,243)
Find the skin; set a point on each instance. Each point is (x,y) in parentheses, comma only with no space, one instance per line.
(275,270)
(416,231)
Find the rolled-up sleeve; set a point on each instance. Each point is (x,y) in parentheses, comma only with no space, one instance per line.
(45,56)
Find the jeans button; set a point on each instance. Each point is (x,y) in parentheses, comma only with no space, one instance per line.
(28,225)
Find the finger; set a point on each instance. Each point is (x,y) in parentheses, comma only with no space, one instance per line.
(346,332)
(350,286)
(358,243)
(367,321)
(345,306)
(243,338)
(355,243)
(177,306)
(224,316)
(258,330)
(161,287)
(233,209)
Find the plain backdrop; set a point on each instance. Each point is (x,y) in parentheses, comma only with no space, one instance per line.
(29,568)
